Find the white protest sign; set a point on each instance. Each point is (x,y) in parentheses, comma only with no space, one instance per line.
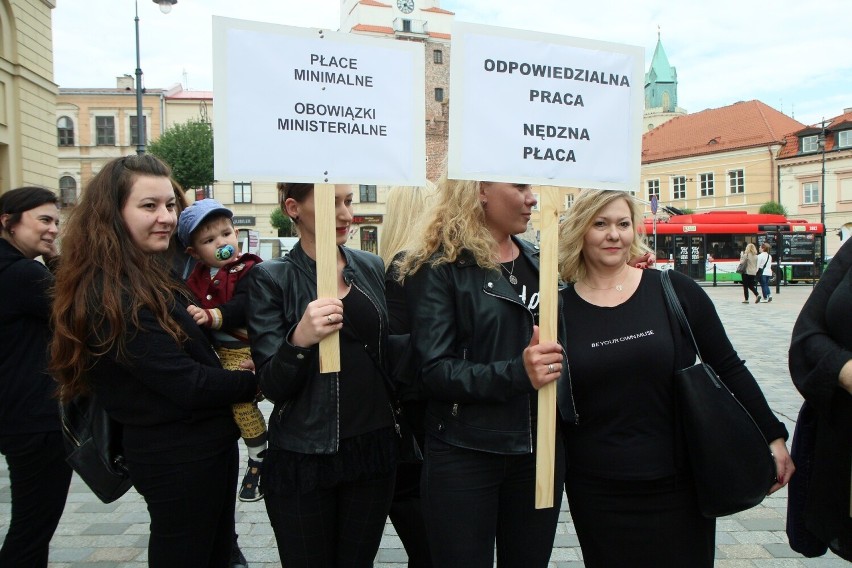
(314,106)
(544,109)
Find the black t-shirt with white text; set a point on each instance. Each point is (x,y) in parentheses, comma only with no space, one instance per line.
(621,362)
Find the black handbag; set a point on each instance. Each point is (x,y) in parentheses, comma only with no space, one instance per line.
(729,457)
(93,444)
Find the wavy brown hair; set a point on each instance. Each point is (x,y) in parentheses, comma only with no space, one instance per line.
(104,280)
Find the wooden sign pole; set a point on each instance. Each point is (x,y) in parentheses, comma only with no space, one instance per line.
(324,215)
(548,313)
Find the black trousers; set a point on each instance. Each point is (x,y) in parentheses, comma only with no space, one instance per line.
(39,479)
(472,498)
(192,509)
(335,527)
(406,514)
(749,284)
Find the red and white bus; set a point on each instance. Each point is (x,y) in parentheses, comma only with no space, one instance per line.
(700,244)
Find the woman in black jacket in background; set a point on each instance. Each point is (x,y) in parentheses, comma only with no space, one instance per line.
(30,435)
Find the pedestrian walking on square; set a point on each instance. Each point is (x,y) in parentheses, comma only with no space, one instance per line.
(471,287)
(122,331)
(748,277)
(821,368)
(629,487)
(328,475)
(30,430)
(764,271)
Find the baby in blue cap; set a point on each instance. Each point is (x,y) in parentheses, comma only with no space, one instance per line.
(207,231)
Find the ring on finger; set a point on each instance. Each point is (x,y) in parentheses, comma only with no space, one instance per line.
(329,319)
(550,368)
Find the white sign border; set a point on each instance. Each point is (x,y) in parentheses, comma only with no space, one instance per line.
(454,165)
(222,164)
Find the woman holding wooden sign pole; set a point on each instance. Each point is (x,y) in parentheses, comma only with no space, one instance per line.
(472,292)
(328,475)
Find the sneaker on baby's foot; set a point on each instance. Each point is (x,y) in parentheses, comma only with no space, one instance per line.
(250,489)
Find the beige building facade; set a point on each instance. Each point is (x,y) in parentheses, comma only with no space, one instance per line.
(93,126)
(815,177)
(27,95)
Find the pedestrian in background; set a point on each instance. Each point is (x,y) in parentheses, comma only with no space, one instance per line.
(749,255)
(628,484)
(471,287)
(122,331)
(329,472)
(821,368)
(30,429)
(764,270)
(406,208)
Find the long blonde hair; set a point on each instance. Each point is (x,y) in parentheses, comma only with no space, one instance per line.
(407,206)
(454,224)
(572,231)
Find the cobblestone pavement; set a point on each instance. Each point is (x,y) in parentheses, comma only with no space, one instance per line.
(92,534)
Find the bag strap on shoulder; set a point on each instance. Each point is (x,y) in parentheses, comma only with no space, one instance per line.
(674,305)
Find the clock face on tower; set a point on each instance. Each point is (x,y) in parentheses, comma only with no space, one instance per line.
(405,6)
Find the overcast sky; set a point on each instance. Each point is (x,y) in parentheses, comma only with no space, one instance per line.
(792,55)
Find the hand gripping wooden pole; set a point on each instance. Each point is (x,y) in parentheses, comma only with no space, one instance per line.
(324,216)
(547,317)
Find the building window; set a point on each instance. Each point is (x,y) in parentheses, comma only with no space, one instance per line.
(438,57)
(370,239)
(653,188)
(368,194)
(134,129)
(810,192)
(65,131)
(569,201)
(810,143)
(242,192)
(105,130)
(736,182)
(679,187)
(844,139)
(439,94)
(205,192)
(406,26)
(706,185)
(67,191)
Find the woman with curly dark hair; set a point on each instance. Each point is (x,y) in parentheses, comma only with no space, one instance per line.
(122,331)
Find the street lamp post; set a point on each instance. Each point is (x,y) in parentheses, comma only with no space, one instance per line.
(165,8)
(822,204)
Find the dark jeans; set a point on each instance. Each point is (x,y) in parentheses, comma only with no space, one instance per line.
(406,514)
(764,286)
(39,479)
(748,284)
(337,527)
(192,509)
(470,498)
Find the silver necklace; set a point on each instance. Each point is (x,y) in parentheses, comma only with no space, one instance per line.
(618,287)
(512,278)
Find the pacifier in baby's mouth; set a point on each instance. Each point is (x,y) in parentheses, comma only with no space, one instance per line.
(225,252)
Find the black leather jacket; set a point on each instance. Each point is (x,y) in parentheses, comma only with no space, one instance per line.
(306,415)
(469,331)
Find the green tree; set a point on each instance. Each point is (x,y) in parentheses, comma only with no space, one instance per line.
(773,207)
(281,222)
(188,149)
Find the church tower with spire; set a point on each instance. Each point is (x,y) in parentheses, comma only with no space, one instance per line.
(660,89)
